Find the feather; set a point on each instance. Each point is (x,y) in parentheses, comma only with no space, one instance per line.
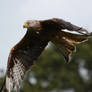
(65,42)
(21,58)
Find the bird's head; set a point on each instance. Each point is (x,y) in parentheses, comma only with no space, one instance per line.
(32,24)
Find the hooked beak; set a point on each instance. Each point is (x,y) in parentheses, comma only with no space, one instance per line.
(25,25)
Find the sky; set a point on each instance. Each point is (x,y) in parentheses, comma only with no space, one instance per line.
(13,14)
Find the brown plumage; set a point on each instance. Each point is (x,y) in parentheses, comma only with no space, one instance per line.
(38,34)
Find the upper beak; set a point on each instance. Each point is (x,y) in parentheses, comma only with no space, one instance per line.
(25,25)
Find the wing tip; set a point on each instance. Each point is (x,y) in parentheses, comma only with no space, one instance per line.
(5,87)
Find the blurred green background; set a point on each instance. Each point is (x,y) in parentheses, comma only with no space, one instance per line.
(51,73)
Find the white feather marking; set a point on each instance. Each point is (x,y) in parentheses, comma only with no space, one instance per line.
(18,72)
(8,83)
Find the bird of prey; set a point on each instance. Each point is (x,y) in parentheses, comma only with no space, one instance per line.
(39,34)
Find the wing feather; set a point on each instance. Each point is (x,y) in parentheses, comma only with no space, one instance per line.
(21,58)
(69,26)
(66,41)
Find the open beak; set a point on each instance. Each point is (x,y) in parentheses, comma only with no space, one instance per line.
(25,25)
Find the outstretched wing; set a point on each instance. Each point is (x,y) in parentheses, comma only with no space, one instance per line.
(66,41)
(69,26)
(21,58)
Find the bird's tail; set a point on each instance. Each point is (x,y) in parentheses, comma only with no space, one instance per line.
(6,85)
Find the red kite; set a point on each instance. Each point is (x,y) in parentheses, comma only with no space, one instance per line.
(37,37)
